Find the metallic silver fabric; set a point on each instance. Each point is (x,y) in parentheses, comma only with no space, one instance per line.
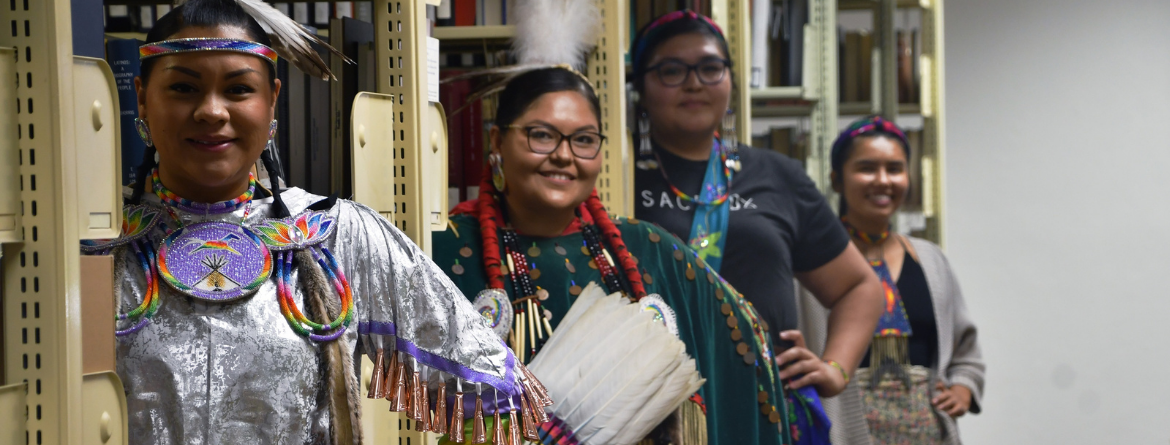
(235,373)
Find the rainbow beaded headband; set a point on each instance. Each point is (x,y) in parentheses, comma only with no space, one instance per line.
(862,126)
(648,31)
(176,46)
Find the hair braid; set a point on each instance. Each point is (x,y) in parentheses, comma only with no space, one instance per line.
(488,213)
(610,231)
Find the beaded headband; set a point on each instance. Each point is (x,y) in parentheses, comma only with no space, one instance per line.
(176,46)
(647,32)
(871,124)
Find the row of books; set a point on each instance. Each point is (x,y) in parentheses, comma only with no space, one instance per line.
(475,13)
(857,65)
(141,18)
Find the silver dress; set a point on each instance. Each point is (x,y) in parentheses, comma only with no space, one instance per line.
(233,373)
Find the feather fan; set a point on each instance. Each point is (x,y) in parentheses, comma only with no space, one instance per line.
(609,388)
(291,40)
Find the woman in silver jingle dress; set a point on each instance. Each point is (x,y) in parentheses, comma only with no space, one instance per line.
(241,320)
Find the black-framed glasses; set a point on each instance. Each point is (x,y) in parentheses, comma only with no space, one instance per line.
(673,73)
(544,140)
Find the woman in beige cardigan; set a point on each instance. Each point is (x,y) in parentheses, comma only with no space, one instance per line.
(925,358)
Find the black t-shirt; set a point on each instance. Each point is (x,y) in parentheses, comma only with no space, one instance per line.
(779,224)
(915,294)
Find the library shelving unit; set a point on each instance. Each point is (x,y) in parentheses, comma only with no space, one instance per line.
(930,106)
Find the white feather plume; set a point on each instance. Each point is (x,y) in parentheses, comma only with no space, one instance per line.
(556,31)
(614,372)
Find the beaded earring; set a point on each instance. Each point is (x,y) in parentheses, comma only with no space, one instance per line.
(497,163)
(646,160)
(271,136)
(143,131)
(730,140)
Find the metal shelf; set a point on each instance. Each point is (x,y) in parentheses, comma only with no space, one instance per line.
(866,108)
(474,38)
(455,33)
(771,93)
(844,5)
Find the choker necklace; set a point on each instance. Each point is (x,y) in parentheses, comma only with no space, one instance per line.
(868,238)
(170,198)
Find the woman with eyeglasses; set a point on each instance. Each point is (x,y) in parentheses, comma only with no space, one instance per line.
(538,234)
(753,215)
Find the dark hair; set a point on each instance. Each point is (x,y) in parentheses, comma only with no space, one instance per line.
(210,14)
(526,88)
(645,45)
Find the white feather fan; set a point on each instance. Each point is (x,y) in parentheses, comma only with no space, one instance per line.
(614,372)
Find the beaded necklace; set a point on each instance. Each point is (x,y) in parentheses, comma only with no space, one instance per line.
(530,326)
(170,198)
(890,346)
(720,198)
(284,236)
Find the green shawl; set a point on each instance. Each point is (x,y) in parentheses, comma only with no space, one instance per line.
(741,391)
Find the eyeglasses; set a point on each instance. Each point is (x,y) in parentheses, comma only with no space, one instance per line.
(673,73)
(544,140)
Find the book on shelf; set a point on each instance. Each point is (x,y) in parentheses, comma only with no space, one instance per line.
(850,61)
(465,12)
(122,56)
(865,66)
(914,197)
(788,141)
(351,37)
(301,13)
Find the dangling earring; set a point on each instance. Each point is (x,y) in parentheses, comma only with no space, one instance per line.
(730,140)
(271,136)
(646,159)
(497,164)
(143,131)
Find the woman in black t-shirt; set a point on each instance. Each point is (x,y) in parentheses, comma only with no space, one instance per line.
(754,215)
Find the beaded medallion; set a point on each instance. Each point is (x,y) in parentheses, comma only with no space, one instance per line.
(297,232)
(214,261)
(496,307)
(654,304)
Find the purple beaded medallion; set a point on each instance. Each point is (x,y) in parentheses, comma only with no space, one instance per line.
(214,261)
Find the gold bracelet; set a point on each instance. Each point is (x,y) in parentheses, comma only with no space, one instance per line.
(844,374)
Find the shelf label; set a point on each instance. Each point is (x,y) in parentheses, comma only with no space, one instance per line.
(432,69)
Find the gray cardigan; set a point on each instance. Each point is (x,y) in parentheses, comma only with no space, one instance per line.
(959,360)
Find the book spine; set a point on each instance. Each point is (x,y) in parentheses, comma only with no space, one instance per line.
(123,60)
(464,12)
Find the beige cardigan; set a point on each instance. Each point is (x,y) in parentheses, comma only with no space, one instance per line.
(959,359)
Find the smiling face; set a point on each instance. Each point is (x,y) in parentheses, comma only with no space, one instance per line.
(693,107)
(558,181)
(209,115)
(874,179)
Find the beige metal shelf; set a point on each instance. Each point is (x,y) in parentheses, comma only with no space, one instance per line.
(771,93)
(494,32)
(872,4)
(865,108)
